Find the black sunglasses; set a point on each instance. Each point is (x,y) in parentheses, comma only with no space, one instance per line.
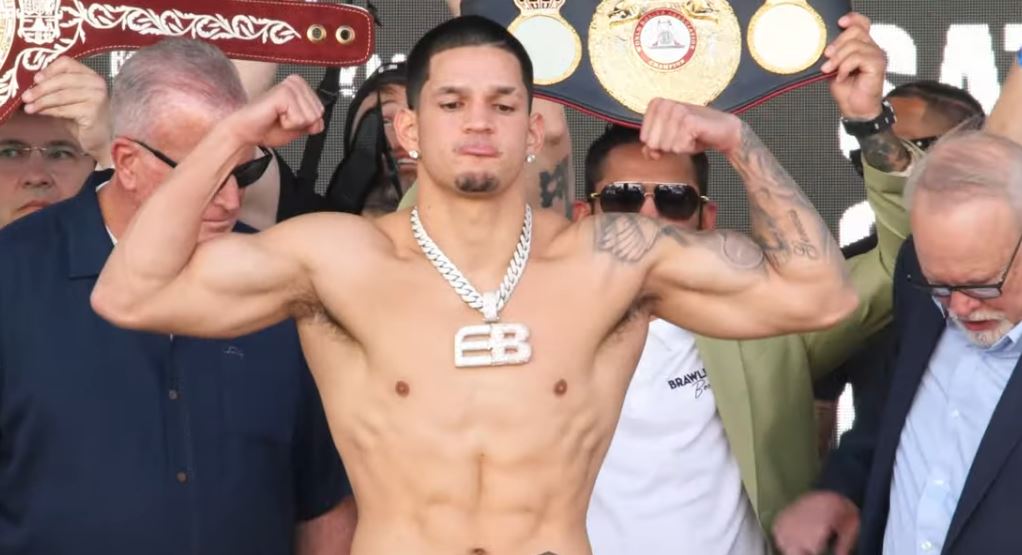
(983,292)
(675,201)
(245,173)
(923,143)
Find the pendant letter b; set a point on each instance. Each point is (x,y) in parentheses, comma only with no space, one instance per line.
(492,345)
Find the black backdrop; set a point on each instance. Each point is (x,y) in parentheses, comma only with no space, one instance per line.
(966,43)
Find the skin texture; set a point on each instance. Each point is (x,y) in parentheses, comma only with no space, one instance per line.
(488,460)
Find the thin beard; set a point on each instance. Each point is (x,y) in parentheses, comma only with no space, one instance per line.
(476,184)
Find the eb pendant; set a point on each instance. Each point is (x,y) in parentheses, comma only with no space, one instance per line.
(492,345)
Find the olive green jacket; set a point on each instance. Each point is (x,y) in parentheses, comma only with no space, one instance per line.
(764,387)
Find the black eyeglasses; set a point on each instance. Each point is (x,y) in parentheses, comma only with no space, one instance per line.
(675,201)
(983,292)
(923,143)
(245,173)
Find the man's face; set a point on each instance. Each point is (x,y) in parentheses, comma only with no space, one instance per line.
(977,253)
(32,180)
(916,120)
(472,125)
(626,164)
(393,100)
(175,135)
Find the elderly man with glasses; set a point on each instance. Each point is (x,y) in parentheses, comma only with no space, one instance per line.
(125,442)
(48,150)
(944,473)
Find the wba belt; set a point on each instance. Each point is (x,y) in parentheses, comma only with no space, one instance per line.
(611,57)
(33,33)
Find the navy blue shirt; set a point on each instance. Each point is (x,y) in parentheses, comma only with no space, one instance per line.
(123,442)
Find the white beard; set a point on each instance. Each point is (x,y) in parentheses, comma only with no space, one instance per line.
(987,338)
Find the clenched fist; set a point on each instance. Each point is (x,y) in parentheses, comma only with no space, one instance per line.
(286,112)
(680,128)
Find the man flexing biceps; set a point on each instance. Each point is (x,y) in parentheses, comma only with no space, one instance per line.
(473,422)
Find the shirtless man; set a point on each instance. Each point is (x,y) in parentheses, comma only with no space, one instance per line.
(473,460)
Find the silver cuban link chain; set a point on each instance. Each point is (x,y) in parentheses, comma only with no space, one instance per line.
(489,304)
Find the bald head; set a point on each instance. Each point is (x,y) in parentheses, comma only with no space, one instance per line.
(967,167)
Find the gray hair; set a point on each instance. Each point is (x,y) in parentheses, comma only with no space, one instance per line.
(162,75)
(967,165)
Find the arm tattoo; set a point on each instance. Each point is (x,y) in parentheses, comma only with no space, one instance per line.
(885,152)
(626,237)
(738,250)
(630,237)
(554,184)
(777,207)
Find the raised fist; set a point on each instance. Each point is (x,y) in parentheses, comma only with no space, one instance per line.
(680,128)
(286,112)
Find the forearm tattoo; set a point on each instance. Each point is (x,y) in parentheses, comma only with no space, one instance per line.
(885,152)
(784,223)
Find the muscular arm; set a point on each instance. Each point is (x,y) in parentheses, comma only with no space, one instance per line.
(1004,119)
(160,278)
(787,276)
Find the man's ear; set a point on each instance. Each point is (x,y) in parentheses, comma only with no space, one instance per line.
(125,155)
(406,126)
(580,209)
(534,139)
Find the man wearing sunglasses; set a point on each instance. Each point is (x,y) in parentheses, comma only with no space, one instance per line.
(716,436)
(123,442)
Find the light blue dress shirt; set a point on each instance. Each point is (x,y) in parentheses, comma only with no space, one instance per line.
(957,396)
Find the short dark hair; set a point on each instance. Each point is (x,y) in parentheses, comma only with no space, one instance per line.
(617,135)
(954,103)
(468,30)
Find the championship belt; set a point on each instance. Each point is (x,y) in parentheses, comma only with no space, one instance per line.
(609,58)
(33,33)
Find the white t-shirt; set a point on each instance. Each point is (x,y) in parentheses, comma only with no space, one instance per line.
(669,484)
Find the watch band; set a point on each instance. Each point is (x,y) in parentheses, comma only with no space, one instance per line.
(861,129)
